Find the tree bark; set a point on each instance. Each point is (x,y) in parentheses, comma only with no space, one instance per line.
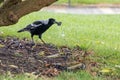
(12,10)
(1,1)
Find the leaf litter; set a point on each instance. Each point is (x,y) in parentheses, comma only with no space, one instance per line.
(19,56)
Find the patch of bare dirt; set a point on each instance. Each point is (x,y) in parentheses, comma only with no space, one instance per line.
(19,56)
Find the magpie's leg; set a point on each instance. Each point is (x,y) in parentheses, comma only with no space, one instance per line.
(46,49)
(41,39)
(32,39)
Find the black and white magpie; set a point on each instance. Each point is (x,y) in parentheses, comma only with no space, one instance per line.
(39,27)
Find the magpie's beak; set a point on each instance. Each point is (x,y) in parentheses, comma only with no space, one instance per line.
(58,23)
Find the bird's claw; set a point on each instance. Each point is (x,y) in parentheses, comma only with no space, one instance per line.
(32,43)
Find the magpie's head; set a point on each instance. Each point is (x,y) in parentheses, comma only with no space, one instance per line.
(53,21)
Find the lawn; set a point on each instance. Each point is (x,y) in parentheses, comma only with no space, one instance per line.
(90,1)
(64,76)
(99,33)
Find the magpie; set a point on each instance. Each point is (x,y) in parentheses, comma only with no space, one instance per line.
(39,27)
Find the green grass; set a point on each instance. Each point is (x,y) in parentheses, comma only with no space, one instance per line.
(100,33)
(89,1)
(80,75)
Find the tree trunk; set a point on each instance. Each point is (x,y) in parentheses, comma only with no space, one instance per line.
(12,10)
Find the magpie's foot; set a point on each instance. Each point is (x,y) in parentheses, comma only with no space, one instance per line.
(32,43)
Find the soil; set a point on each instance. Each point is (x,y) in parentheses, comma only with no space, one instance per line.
(20,56)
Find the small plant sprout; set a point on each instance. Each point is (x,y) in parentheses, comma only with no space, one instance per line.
(63,35)
(1,32)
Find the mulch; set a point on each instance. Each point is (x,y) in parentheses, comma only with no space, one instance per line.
(19,56)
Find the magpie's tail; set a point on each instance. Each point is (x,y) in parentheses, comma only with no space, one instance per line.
(22,30)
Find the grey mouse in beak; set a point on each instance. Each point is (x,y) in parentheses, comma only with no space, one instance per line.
(58,23)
